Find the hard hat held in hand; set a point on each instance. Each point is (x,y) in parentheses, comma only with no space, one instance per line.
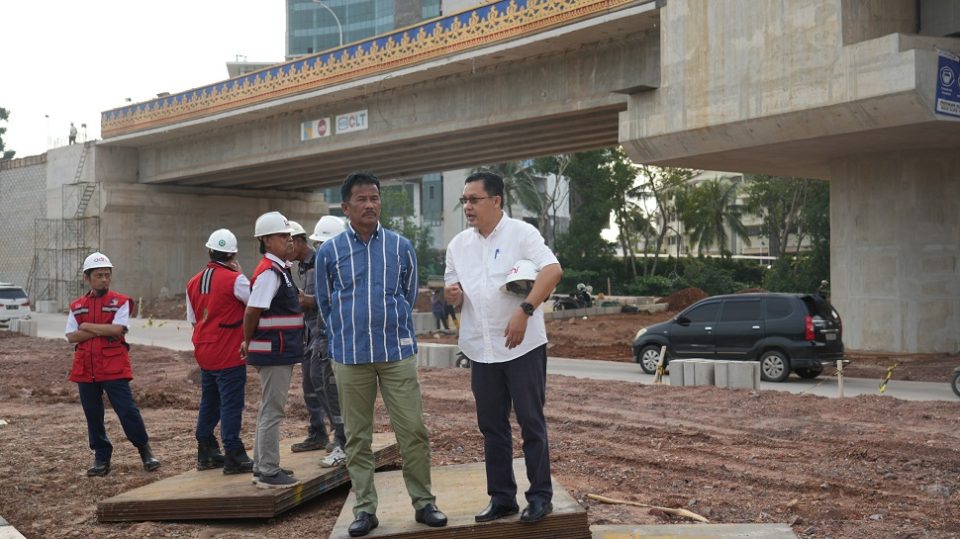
(327,227)
(297,229)
(222,240)
(520,278)
(96,260)
(271,223)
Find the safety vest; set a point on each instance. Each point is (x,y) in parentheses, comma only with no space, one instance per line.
(100,359)
(278,337)
(219,330)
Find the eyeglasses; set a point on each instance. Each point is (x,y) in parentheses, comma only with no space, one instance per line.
(472,200)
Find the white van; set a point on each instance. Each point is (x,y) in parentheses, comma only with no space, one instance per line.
(14,304)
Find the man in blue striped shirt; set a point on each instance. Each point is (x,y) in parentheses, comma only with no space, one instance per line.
(366,281)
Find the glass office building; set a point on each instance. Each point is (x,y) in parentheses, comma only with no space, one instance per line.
(311,27)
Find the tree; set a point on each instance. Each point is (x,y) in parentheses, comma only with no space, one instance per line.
(667,188)
(777,201)
(518,185)
(396,213)
(712,208)
(582,247)
(4,154)
(553,197)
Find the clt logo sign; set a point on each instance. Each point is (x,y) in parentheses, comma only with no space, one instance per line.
(352,121)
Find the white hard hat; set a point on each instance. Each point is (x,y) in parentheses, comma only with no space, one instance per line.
(271,223)
(520,278)
(222,240)
(96,260)
(297,229)
(327,227)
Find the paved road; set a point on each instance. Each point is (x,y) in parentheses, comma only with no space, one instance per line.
(176,334)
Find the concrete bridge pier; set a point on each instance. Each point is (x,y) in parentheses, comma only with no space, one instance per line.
(894,246)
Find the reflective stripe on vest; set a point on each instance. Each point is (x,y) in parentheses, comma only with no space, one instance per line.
(281,322)
(260,346)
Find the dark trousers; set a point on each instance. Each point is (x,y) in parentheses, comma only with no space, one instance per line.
(121,399)
(441,319)
(325,384)
(522,383)
(313,397)
(221,401)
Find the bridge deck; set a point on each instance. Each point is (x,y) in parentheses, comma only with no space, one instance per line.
(461,492)
(212,495)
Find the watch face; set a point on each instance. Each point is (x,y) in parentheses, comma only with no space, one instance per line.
(527,308)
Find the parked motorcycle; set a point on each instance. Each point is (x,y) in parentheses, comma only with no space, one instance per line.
(581,299)
(955,381)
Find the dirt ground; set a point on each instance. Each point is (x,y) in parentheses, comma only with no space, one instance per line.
(865,467)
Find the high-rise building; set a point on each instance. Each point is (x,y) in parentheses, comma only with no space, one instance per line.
(314,26)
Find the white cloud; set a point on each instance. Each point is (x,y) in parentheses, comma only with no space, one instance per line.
(73,60)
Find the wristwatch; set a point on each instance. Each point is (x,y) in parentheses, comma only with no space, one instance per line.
(527,308)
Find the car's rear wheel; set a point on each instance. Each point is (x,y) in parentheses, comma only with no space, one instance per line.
(774,366)
(649,357)
(808,372)
(955,383)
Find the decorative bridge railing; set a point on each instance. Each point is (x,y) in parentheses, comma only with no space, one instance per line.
(491,23)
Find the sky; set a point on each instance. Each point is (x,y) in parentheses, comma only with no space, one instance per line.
(67,61)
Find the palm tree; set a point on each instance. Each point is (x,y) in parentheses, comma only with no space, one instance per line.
(518,186)
(712,210)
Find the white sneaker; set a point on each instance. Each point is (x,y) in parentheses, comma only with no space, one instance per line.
(335,458)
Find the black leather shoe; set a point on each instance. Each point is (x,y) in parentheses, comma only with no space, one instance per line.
(431,516)
(495,511)
(150,463)
(536,511)
(363,524)
(100,468)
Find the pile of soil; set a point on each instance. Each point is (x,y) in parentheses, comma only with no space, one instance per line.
(681,299)
(173,308)
(857,468)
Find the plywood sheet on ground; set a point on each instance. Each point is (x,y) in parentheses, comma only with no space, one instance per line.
(212,495)
(691,531)
(461,493)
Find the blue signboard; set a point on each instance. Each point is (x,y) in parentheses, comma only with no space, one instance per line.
(948,87)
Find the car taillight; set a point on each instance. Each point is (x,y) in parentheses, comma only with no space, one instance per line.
(808,322)
(26,303)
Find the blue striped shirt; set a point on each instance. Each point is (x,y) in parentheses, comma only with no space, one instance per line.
(365,293)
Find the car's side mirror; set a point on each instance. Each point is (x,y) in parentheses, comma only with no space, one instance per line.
(683,320)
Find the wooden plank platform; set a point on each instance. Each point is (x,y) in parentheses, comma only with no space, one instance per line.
(212,495)
(694,531)
(461,493)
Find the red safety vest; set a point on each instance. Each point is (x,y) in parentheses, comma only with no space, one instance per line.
(100,359)
(219,314)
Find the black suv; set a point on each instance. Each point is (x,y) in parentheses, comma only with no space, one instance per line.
(785,332)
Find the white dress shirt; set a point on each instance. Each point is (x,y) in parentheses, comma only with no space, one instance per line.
(481,265)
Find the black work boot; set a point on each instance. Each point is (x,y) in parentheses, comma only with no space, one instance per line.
(236,461)
(208,455)
(150,463)
(314,442)
(100,468)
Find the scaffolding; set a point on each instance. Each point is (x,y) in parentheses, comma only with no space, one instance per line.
(60,245)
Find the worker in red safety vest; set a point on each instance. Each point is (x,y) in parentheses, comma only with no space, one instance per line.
(96,326)
(216,299)
(273,342)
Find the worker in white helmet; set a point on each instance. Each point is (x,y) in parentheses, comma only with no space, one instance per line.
(216,299)
(319,385)
(96,325)
(273,342)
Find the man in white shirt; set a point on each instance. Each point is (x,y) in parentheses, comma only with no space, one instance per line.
(505,337)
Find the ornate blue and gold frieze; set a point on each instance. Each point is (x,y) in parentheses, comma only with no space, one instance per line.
(485,25)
